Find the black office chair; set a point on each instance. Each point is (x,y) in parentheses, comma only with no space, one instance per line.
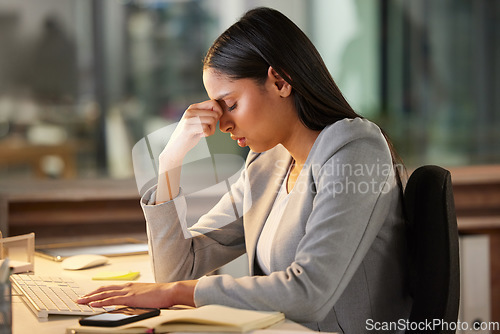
(434,253)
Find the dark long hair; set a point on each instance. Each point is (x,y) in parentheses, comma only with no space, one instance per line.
(265,37)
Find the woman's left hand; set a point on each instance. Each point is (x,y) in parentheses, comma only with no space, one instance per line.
(154,295)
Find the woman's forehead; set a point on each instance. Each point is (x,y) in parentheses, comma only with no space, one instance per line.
(218,85)
(213,74)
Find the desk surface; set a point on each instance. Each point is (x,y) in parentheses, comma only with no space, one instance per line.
(24,321)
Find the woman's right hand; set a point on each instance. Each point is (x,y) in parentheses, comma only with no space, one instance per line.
(199,120)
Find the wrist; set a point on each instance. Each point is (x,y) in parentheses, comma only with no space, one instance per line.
(183,293)
(169,163)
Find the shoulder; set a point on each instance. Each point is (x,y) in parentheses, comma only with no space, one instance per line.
(348,130)
(358,135)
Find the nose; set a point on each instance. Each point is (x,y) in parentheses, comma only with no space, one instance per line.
(226,124)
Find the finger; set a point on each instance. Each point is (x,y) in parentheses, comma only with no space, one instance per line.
(106,288)
(210,106)
(116,300)
(201,120)
(208,129)
(100,296)
(201,126)
(193,113)
(204,129)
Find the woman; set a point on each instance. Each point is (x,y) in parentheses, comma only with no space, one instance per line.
(323,224)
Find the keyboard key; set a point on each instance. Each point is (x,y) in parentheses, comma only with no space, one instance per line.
(49,304)
(51,295)
(66,300)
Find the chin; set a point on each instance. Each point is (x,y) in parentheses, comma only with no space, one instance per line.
(260,148)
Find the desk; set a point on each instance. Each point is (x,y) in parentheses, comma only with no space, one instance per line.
(24,321)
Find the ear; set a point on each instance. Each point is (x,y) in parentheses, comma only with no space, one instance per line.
(283,87)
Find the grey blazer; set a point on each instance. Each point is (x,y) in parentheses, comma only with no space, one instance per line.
(338,257)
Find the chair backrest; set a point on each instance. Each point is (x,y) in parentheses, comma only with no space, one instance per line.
(434,253)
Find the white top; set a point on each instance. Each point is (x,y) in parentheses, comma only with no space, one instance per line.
(265,243)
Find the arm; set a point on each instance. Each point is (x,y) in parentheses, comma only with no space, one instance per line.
(174,257)
(172,247)
(178,253)
(199,120)
(172,253)
(142,295)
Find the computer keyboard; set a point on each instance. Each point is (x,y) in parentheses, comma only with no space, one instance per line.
(51,295)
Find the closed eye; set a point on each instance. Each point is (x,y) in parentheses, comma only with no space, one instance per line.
(231,108)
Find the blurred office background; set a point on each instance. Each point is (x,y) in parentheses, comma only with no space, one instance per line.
(81,81)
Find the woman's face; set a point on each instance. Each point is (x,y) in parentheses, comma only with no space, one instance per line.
(255,115)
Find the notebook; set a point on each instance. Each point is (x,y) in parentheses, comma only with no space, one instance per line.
(209,318)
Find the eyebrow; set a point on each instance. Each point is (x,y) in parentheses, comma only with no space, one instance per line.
(221,97)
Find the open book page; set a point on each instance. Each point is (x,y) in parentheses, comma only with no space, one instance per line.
(285,331)
(209,318)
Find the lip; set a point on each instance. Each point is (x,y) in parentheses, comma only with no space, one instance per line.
(233,137)
(241,140)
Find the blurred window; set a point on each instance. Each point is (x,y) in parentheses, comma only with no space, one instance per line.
(81,81)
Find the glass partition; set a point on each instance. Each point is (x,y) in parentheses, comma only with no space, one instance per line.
(441,79)
(81,81)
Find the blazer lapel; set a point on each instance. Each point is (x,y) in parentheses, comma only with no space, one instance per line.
(264,191)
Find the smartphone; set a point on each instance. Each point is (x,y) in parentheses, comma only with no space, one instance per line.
(119,317)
